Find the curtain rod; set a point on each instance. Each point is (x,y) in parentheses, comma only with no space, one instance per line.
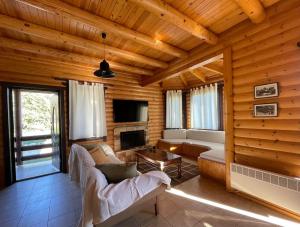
(106,86)
(189,88)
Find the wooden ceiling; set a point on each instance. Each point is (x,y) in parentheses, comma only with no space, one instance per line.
(143,37)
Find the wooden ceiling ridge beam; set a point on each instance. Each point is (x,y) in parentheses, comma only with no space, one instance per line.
(25,27)
(102,24)
(67,56)
(253,9)
(183,79)
(199,75)
(168,13)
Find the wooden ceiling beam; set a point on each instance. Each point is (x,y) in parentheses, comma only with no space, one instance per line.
(166,12)
(178,67)
(64,38)
(213,68)
(67,56)
(183,79)
(103,25)
(200,75)
(253,9)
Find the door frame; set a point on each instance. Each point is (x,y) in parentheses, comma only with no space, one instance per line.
(8,125)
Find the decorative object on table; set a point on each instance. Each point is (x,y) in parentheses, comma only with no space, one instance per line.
(266,91)
(266,110)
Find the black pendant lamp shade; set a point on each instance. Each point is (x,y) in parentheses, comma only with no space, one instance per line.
(104,70)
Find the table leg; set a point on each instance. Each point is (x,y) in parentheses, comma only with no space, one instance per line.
(179,169)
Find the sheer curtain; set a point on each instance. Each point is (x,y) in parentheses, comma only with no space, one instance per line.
(86,110)
(174,109)
(204,107)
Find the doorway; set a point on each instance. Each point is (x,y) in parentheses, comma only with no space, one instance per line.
(34,132)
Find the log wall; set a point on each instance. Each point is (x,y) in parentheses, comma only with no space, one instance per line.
(123,86)
(268,53)
(265,53)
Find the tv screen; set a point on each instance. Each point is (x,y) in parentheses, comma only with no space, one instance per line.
(130,110)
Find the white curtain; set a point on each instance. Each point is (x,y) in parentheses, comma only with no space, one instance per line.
(174,109)
(86,110)
(204,107)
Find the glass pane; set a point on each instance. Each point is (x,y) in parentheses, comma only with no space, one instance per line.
(36,113)
(37,152)
(36,142)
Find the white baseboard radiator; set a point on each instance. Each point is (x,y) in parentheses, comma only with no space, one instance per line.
(277,189)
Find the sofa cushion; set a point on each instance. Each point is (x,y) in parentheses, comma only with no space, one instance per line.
(174,134)
(116,173)
(206,135)
(216,155)
(174,141)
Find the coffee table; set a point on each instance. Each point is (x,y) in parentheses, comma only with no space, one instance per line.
(160,157)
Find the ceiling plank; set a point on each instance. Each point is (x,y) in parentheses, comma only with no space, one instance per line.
(200,75)
(104,25)
(183,79)
(67,56)
(178,67)
(213,68)
(60,37)
(253,9)
(172,15)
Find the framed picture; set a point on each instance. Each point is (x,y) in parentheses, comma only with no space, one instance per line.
(266,91)
(266,110)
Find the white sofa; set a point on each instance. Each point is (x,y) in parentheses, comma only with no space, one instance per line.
(214,140)
(104,204)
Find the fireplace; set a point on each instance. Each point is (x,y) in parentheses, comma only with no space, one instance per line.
(132,139)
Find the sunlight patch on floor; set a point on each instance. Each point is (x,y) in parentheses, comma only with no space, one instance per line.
(269,219)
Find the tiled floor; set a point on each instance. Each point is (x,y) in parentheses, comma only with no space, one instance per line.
(35,169)
(55,201)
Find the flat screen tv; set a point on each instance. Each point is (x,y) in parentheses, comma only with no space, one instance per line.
(130,110)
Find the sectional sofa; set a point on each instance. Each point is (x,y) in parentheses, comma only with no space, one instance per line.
(204,146)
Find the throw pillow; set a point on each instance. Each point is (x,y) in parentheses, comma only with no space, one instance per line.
(106,149)
(98,156)
(89,146)
(116,173)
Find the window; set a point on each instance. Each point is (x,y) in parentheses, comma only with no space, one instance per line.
(174,109)
(206,107)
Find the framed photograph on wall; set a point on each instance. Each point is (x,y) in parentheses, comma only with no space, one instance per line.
(266,110)
(266,91)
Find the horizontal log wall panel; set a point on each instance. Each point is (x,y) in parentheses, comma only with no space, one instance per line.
(124,86)
(270,155)
(273,135)
(275,145)
(269,123)
(274,166)
(291,102)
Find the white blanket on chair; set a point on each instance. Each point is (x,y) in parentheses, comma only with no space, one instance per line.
(101,201)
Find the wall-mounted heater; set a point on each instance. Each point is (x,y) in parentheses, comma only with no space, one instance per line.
(274,188)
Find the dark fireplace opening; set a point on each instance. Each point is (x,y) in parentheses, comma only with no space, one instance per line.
(132,139)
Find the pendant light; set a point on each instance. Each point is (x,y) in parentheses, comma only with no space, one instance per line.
(104,70)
